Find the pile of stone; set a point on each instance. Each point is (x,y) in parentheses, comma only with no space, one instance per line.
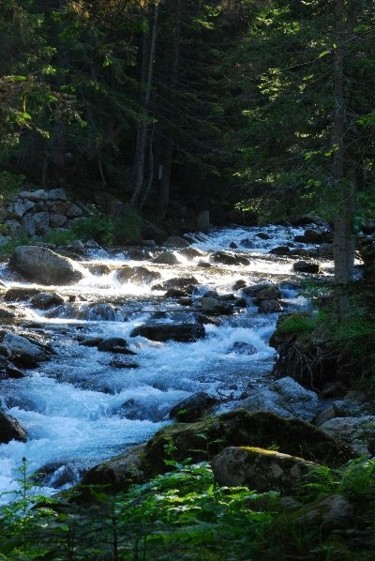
(35,212)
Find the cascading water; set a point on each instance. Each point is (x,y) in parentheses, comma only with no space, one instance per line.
(85,404)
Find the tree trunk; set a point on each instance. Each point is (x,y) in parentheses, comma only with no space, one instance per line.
(148,55)
(167,156)
(343,184)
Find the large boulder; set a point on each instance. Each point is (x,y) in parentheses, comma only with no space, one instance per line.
(42,265)
(22,351)
(229,258)
(192,408)
(204,439)
(136,274)
(184,333)
(10,429)
(259,469)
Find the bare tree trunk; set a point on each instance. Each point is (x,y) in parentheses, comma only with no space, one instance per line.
(148,55)
(169,144)
(343,183)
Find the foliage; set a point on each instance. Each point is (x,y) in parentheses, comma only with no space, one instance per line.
(300,324)
(10,185)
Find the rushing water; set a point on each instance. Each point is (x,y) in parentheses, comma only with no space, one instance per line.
(83,405)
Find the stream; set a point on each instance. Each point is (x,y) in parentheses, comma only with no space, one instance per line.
(84,405)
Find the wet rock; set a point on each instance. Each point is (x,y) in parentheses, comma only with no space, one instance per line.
(306,267)
(99,268)
(184,333)
(136,274)
(241,428)
(20,294)
(280,250)
(191,253)
(192,408)
(58,476)
(186,284)
(270,307)
(23,352)
(185,301)
(176,242)
(239,284)
(115,345)
(263,236)
(228,258)
(243,348)
(101,312)
(45,300)
(215,306)
(259,469)
(10,429)
(39,264)
(233,245)
(174,293)
(255,289)
(286,398)
(167,258)
(313,236)
(271,292)
(118,362)
(208,320)
(311,218)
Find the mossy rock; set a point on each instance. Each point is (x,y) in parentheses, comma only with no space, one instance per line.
(297,326)
(204,439)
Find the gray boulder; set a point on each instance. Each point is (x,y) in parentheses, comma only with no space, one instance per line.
(22,351)
(10,429)
(39,264)
(184,333)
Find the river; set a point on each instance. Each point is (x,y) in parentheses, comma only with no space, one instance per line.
(85,405)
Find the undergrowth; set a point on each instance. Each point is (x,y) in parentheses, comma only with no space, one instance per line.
(184,515)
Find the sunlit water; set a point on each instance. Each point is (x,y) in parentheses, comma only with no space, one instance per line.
(79,408)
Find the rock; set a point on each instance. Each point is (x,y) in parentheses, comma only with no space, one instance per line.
(19,294)
(271,292)
(259,469)
(118,473)
(167,258)
(233,245)
(39,264)
(57,220)
(74,211)
(101,312)
(20,207)
(243,348)
(175,293)
(176,242)
(280,250)
(357,432)
(57,195)
(37,195)
(45,300)
(14,228)
(118,362)
(136,274)
(263,236)
(215,306)
(313,236)
(99,269)
(255,289)
(183,333)
(186,284)
(331,513)
(306,267)
(192,408)
(204,439)
(239,284)
(311,218)
(115,345)
(286,398)
(23,352)
(228,258)
(28,225)
(270,307)
(191,253)
(10,429)
(41,222)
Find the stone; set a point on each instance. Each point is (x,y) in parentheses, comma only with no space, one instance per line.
(45,300)
(176,242)
(38,195)
(41,222)
(115,345)
(74,211)
(183,333)
(313,236)
(99,268)
(229,258)
(14,228)
(270,307)
(57,195)
(20,294)
(255,289)
(306,267)
(19,207)
(57,220)
(286,398)
(243,348)
(356,432)
(330,513)
(179,283)
(191,253)
(28,225)
(10,429)
(23,352)
(204,439)
(39,264)
(167,258)
(136,275)
(239,284)
(192,408)
(259,469)
(210,305)
(280,250)
(271,292)
(118,473)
